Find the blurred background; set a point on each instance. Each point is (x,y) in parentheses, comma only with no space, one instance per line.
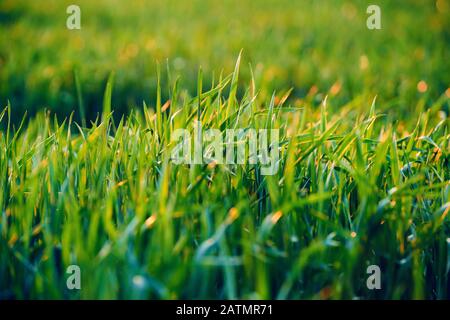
(314,47)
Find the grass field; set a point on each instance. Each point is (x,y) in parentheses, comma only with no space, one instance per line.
(86,176)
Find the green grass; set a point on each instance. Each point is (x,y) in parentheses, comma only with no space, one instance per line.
(352,190)
(364,154)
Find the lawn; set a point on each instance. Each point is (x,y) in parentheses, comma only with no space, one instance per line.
(88,120)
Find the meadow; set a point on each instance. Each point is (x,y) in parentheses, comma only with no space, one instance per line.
(86,133)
